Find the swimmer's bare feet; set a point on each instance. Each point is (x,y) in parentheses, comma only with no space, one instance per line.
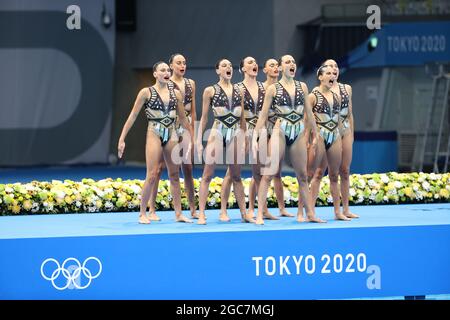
(153,217)
(194,214)
(269,216)
(224,217)
(313,218)
(251,213)
(201,219)
(341,216)
(284,213)
(259,220)
(181,218)
(245,217)
(351,215)
(143,219)
(300,218)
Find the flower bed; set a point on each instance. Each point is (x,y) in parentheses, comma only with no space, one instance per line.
(110,195)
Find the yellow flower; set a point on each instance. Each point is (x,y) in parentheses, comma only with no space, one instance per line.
(408,192)
(27,204)
(68,200)
(15,208)
(444,193)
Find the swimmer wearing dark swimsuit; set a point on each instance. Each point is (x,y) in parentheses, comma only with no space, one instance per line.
(161,118)
(327,118)
(290,113)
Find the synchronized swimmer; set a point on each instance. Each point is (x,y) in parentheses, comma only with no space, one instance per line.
(254,120)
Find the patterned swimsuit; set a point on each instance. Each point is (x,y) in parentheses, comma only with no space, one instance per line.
(186,102)
(227,114)
(161,118)
(327,118)
(290,114)
(251,108)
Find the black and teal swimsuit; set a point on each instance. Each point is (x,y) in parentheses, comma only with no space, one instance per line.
(290,113)
(327,118)
(161,118)
(227,112)
(252,108)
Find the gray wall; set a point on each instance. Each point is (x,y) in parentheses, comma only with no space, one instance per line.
(203,31)
(57,82)
(365,84)
(287,14)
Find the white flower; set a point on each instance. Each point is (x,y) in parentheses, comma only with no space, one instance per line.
(109,205)
(9,189)
(352,192)
(212,202)
(109,190)
(163,203)
(433,176)
(287,195)
(398,184)
(385,198)
(384,178)
(371,183)
(360,198)
(35,207)
(78,204)
(130,205)
(330,199)
(392,192)
(92,208)
(436,195)
(415,188)
(374,191)
(45,204)
(426,185)
(372,196)
(136,189)
(29,187)
(362,183)
(60,194)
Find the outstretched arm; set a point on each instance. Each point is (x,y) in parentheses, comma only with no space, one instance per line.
(140,100)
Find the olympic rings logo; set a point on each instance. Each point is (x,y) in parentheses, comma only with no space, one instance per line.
(72,273)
